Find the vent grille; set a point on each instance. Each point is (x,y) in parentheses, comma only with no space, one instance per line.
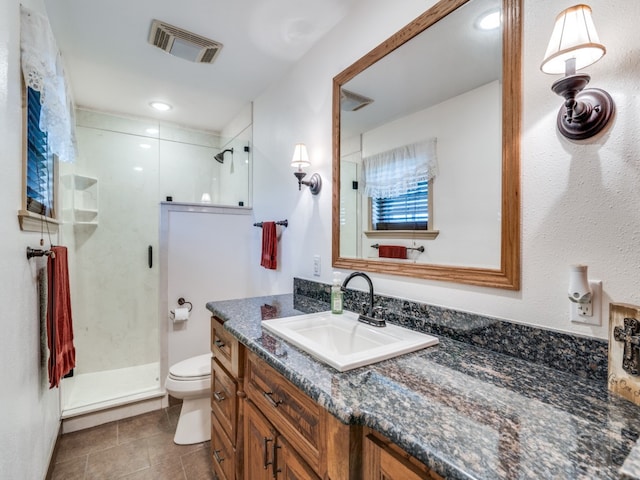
(182,43)
(351,101)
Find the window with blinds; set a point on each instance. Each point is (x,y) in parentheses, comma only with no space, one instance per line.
(409,211)
(39,168)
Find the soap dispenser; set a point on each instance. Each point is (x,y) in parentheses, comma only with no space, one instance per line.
(336,294)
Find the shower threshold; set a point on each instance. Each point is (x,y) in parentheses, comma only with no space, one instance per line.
(91,392)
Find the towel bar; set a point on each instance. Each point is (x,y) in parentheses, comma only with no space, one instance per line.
(34,252)
(284,223)
(419,249)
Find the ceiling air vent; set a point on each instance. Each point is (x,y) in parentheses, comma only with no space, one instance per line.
(183,44)
(350,101)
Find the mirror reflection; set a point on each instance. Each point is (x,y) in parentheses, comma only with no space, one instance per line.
(423,153)
(430,90)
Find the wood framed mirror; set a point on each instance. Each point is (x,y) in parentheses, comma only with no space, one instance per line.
(454,64)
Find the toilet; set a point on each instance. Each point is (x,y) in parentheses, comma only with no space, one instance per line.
(190,380)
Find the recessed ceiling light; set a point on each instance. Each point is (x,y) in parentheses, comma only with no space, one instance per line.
(152,131)
(145,145)
(161,106)
(138,169)
(490,20)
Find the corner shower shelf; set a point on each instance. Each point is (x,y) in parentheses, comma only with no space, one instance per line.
(85,200)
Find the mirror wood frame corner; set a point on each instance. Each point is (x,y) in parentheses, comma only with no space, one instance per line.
(507,276)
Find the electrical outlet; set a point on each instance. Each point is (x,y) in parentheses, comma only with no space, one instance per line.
(588,314)
(316,265)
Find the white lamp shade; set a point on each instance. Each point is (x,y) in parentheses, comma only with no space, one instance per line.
(574,36)
(300,156)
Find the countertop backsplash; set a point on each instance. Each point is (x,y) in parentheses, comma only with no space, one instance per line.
(582,356)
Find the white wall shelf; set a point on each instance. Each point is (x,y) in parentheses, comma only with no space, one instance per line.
(85,200)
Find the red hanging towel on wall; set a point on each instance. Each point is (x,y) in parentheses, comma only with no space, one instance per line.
(269,246)
(392,251)
(62,353)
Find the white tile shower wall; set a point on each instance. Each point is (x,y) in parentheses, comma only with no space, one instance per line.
(115,320)
(579,200)
(208,258)
(187,171)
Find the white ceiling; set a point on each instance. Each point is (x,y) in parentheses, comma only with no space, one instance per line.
(112,67)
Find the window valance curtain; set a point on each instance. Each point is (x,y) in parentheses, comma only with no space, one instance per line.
(43,71)
(398,171)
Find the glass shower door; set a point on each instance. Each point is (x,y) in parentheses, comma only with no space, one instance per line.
(114,269)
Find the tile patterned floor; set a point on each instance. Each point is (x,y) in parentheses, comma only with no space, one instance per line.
(137,448)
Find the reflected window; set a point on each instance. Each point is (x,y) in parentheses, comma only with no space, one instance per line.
(409,211)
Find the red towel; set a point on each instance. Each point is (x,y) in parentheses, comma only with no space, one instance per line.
(392,251)
(269,246)
(62,353)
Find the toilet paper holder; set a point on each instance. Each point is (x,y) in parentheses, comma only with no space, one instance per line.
(181,302)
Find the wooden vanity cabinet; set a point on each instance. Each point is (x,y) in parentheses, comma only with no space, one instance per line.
(383,460)
(227,393)
(292,414)
(265,428)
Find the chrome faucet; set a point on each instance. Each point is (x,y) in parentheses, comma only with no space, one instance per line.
(369,318)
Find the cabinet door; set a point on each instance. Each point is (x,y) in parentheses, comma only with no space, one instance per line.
(298,418)
(260,438)
(289,465)
(384,461)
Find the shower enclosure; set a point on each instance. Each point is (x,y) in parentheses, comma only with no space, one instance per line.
(110,205)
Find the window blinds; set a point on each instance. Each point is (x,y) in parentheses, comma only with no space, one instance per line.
(39,161)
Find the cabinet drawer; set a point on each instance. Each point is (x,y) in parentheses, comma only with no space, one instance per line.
(226,348)
(383,459)
(224,399)
(222,453)
(296,416)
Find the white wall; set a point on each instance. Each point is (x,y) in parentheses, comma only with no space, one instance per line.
(579,201)
(29,411)
(207,259)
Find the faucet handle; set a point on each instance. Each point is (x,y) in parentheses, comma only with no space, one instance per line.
(364,308)
(379,311)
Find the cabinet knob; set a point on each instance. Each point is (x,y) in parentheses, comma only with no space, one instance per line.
(218,396)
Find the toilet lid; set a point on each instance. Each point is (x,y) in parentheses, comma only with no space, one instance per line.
(193,367)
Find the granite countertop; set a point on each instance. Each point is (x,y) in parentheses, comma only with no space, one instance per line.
(466,412)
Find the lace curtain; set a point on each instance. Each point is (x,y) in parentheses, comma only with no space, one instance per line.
(396,172)
(43,72)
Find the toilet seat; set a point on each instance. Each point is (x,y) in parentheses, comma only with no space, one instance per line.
(191,369)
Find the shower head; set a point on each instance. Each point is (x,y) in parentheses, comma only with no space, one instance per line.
(220,156)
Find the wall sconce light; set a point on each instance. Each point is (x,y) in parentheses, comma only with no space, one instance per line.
(574,45)
(300,160)
(585,296)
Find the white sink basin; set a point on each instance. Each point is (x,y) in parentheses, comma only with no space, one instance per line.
(343,342)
